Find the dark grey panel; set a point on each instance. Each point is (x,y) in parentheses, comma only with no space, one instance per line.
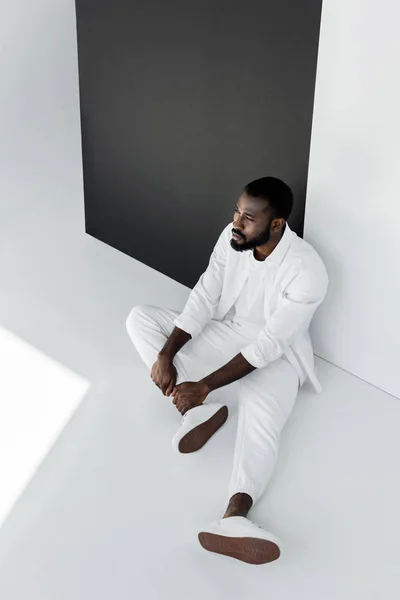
(182,104)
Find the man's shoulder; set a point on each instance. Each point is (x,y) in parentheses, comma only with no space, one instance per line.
(225,235)
(227,230)
(303,255)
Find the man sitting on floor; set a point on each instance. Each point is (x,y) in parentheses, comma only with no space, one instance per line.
(247,320)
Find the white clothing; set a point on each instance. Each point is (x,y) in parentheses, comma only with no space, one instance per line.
(249,307)
(295,283)
(266,396)
(248,310)
(262,309)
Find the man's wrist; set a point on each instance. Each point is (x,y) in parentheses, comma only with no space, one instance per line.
(235,369)
(205,385)
(167,355)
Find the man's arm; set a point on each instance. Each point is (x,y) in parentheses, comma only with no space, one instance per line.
(301,299)
(174,343)
(235,369)
(201,302)
(204,297)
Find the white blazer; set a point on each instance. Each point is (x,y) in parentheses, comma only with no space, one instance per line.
(299,284)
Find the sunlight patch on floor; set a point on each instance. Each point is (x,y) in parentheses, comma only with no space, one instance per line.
(37,398)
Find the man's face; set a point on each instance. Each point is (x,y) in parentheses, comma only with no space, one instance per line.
(252,222)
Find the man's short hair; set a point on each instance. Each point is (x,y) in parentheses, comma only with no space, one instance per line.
(277,192)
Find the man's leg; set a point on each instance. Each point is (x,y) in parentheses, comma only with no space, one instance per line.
(149,328)
(266,397)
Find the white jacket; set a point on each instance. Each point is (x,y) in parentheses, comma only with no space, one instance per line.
(299,285)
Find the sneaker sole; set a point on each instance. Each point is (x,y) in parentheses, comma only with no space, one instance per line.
(250,550)
(195,439)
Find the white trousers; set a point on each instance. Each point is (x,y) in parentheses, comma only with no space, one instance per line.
(266,396)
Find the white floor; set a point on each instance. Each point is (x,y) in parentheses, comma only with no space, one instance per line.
(112,511)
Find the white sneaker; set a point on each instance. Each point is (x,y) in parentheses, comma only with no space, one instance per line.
(240,538)
(198,425)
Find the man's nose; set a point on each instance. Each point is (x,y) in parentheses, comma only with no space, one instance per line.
(238,224)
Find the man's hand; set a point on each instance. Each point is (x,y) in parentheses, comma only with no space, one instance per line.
(189,394)
(164,374)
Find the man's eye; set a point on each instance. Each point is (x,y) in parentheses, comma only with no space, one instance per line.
(248,218)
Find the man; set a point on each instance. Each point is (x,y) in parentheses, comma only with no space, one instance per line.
(247,319)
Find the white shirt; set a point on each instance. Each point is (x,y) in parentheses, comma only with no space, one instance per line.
(247,313)
(276,298)
(248,310)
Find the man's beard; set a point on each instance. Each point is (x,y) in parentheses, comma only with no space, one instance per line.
(260,240)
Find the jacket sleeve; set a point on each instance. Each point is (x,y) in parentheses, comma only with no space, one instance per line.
(302,296)
(204,297)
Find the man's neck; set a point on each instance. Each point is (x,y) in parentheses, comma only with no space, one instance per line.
(269,247)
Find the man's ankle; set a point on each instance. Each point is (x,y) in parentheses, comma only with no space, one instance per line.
(239,506)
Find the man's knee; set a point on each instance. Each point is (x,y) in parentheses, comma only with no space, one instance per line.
(134,316)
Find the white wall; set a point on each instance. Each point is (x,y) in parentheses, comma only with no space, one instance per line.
(40,143)
(353,204)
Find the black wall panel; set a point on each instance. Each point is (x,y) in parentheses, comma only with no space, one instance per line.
(182,104)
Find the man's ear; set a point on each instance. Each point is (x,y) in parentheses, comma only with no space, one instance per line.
(278,225)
